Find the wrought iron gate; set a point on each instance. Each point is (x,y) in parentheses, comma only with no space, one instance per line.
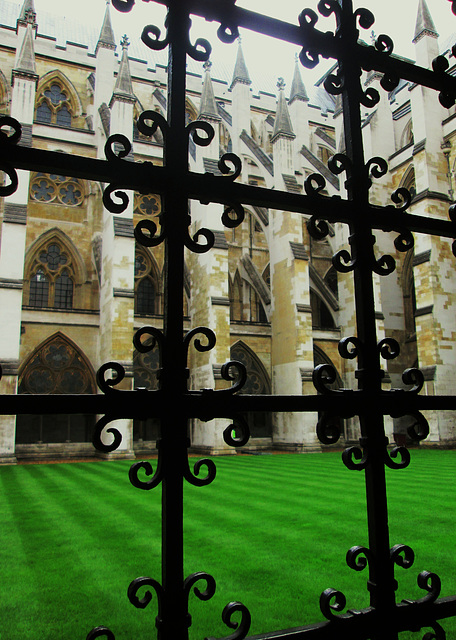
(173,402)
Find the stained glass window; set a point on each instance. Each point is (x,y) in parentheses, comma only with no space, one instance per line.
(54,106)
(43,113)
(63,297)
(56,189)
(147,290)
(145,297)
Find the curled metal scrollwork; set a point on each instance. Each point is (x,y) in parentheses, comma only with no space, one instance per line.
(402,555)
(438,632)
(309,58)
(237,434)
(228,31)
(158,122)
(334,84)
(355,453)
(358,558)
(192,579)
(332,600)
(415,377)
(193,478)
(151,38)
(233,216)
(194,126)
(98,431)
(157,477)
(199,346)
(225,168)
(440,65)
(339,163)
(317,228)
(117,147)
(419,430)
(137,584)
(193,245)
(343,262)
(327,7)
(11,124)
(365,18)
(9,138)
(123,5)
(431,583)
(239,379)
(100,632)
(154,333)
(370,97)
(405,241)
(323,375)
(384,44)
(402,197)
(145,231)
(377,167)
(328,428)
(350,348)
(200,51)
(242,627)
(390,458)
(384,265)
(390,80)
(106,385)
(314,184)
(389,348)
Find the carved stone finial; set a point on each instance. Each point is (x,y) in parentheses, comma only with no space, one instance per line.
(125,42)
(207,65)
(280,84)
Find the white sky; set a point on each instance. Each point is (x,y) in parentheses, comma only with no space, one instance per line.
(394,17)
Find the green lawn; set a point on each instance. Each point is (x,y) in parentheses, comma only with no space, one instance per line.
(272,530)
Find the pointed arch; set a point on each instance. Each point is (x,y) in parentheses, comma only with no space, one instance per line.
(56,366)
(322,315)
(236,298)
(57,100)
(408,181)
(407,135)
(53,268)
(56,234)
(146,431)
(258,382)
(320,357)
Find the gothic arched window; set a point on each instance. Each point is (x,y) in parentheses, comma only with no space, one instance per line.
(147,289)
(321,315)
(145,372)
(260,422)
(52,277)
(53,105)
(56,367)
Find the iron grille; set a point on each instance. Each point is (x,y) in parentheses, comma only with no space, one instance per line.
(173,403)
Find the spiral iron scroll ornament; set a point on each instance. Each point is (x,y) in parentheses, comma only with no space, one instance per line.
(10,133)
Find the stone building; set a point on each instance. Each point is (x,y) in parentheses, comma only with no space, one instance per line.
(74,286)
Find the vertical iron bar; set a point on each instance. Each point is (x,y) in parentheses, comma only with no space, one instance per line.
(174,625)
(381,574)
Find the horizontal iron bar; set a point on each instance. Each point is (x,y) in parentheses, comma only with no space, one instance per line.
(410,616)
(211,404)
(325,43)
(147,178)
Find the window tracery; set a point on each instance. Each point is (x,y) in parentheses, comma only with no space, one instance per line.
(53,105)
(147,289)
(147,205)
(56,367)
(52,277)
(55,189)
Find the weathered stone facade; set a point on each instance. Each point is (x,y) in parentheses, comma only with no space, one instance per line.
(74,287)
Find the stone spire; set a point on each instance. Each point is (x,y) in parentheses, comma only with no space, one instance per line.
(25,64)
(298,90)
(106,38)
(240,73)
(424,23)
(28,14)
(124,87)
(282,124)
(208,107)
